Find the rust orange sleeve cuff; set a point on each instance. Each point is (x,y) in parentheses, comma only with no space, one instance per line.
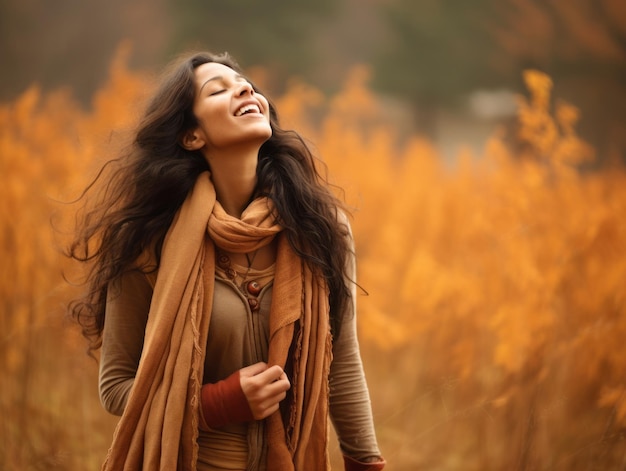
(223,403)
(351,464)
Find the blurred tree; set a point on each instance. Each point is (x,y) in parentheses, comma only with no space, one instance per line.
(275,33)
(436,52)
(439,51)
(70,43)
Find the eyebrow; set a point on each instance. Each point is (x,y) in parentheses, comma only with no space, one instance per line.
(220,77)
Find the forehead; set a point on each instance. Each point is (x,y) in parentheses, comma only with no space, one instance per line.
(212,70)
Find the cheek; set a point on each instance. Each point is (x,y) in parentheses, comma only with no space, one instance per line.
(213,119)
(266,103)
(210,109)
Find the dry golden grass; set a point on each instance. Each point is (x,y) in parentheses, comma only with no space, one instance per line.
(493,332)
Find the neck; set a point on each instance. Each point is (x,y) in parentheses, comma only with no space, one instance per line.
(234,178)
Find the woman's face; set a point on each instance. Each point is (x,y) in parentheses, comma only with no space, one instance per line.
(230,113)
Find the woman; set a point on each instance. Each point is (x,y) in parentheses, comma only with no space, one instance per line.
(221,290)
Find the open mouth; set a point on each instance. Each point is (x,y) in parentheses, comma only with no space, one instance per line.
(247,109)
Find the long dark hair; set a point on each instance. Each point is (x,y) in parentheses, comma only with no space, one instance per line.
(144,188)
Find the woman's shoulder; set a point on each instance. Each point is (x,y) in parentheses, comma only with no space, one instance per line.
(343,218)
(147,266)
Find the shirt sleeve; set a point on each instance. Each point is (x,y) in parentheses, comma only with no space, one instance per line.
(126,316)
(350,406)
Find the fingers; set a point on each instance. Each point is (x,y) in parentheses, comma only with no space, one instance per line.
(254,369)
(265,389)
(271,374)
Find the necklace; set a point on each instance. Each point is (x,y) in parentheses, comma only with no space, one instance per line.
(249,289)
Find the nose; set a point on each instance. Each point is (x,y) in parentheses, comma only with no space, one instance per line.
(246,88)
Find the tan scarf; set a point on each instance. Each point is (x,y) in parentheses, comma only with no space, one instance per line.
(159,427)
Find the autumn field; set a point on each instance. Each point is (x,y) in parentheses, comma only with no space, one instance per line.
(494,327)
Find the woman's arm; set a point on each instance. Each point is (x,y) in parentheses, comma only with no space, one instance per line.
(128,303)
(350,406)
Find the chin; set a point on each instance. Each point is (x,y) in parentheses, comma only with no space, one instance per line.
(266,133)
(261,137)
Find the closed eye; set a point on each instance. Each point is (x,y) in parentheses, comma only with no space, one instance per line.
(217,92)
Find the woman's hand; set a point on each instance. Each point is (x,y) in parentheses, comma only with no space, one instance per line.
(264,388)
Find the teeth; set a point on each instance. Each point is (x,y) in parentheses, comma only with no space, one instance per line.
(247,108)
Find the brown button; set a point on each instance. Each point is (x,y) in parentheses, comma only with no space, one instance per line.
(223,261)
(230,273)
(254,288)
(254,303)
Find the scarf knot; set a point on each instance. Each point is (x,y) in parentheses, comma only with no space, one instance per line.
(256,228)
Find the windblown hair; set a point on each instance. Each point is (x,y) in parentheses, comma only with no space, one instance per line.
(147,185)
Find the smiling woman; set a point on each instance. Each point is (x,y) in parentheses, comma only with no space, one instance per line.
(231,117)
(221,289)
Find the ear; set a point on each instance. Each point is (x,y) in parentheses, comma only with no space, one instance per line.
(192,140)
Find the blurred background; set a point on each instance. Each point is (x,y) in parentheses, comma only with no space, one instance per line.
(481,145)
(451,65)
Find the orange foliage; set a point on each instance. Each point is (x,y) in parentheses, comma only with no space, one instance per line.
(496,286)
